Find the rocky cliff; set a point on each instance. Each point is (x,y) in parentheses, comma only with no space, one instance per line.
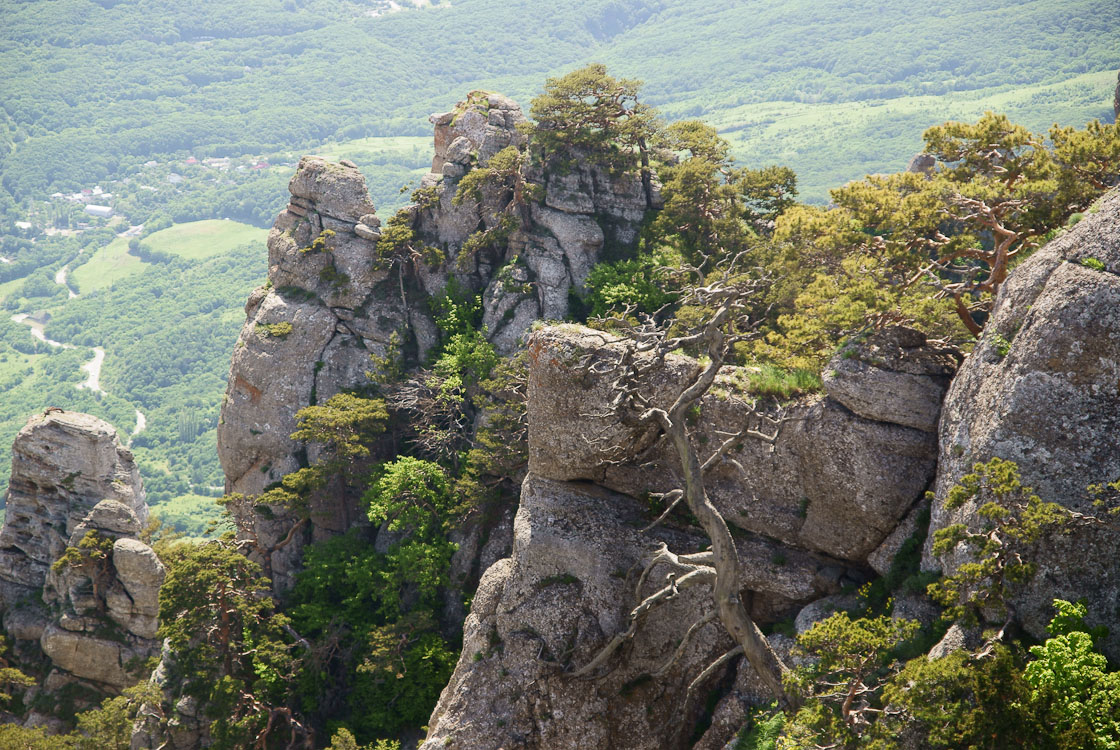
(332,299)
(63,464)
(810,511)
(824,505)
(1042,388)
(77,581)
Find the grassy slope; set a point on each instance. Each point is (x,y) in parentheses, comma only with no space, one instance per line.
(203,239)
(10,287)
(370,150)
(851,139)
(107,266)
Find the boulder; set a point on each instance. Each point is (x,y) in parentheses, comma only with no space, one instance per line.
(141,574)
(822,609)
(894,375)
(335,190)
(574,434)
(1042,388)
(110,518)
(956,638)
(832,482)
(88,657)
(922,164)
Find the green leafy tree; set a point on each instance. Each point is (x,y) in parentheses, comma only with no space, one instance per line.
(702,215)
(11,678)
(345,424)
(590,115)
(767,193)
(1011,517)
(641,285)
(849,662)
(343,739)
(230,648)
(377,662)
(33,738)
(963,701)
(995,192)
(109,727)
(1071,679)
(93,556)
(1092,155)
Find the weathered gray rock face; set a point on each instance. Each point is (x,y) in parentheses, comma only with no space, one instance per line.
(88,657)
(306,336)
(834,482)
(1042,388)
(63,464)
(565,592)
(809,513)
(558,238)
(895,375)
(331,302)
(87,598)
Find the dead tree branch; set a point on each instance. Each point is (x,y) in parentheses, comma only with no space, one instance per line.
(648,345)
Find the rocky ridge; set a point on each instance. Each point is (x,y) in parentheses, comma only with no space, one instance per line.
(332,301)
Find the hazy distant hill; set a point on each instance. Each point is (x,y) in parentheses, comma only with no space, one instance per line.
(93,88)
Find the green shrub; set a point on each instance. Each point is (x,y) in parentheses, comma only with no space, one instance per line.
(279,330)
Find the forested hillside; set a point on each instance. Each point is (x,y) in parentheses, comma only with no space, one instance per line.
(94,90)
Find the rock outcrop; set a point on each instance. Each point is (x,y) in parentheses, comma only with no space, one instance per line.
(565,592)
(895,375)
(332,301)
(94,611)
(63,464)
(809,512)
(1042,388)
(834,482)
